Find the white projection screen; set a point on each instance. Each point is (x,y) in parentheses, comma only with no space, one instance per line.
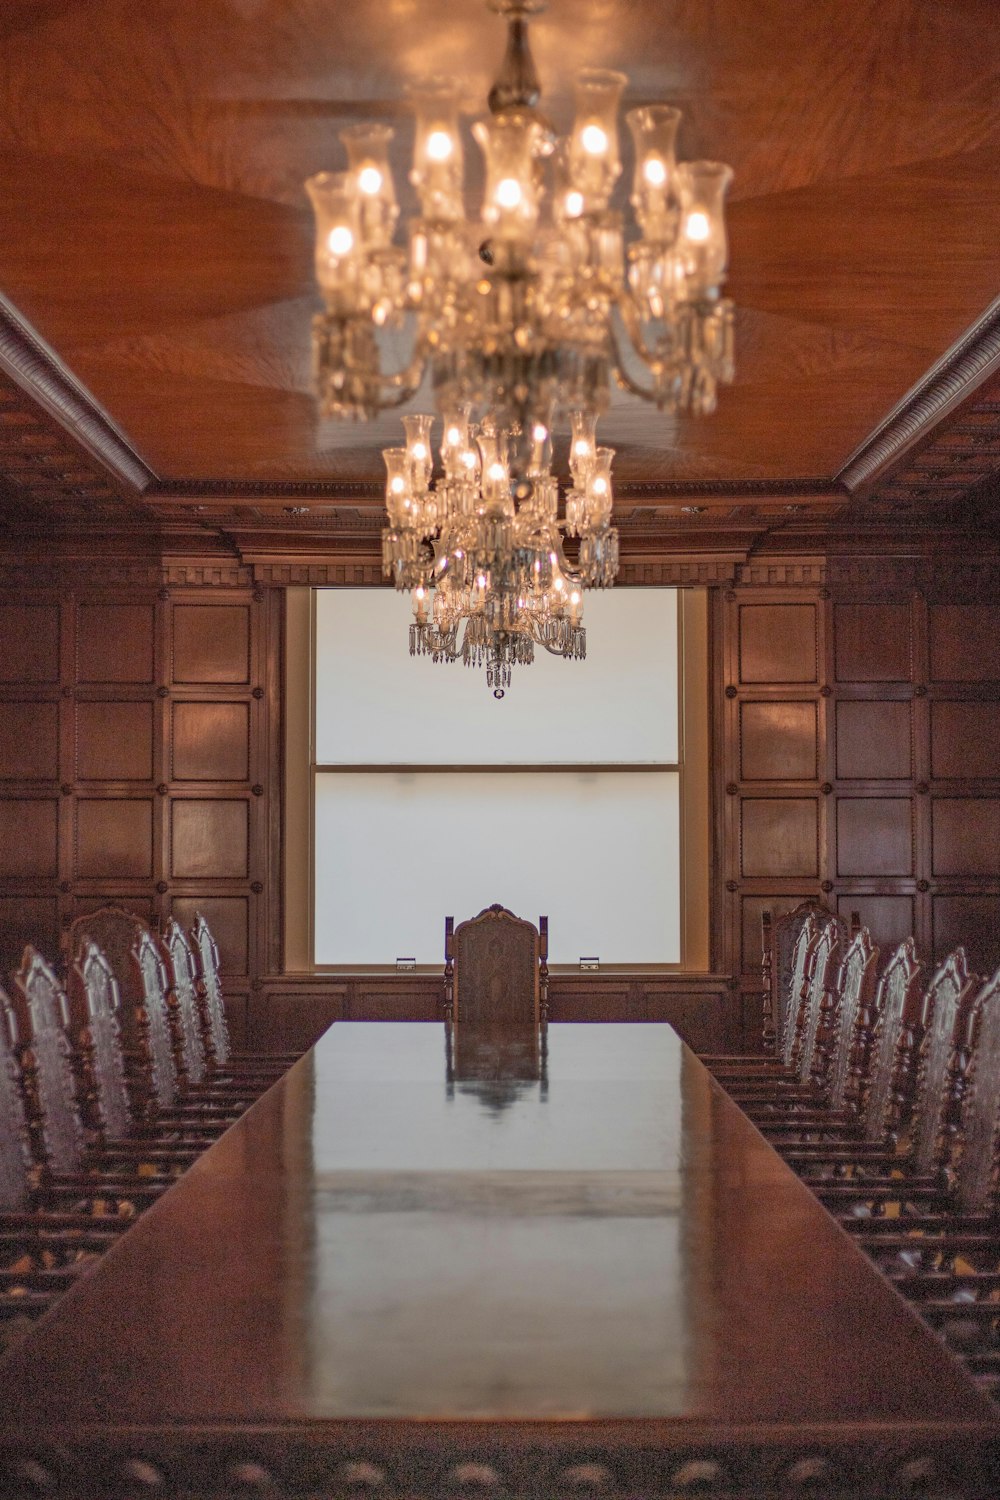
(377,705)
(596,851)
(593,842)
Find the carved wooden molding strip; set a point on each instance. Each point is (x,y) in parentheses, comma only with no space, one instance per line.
(959,372)
(673,492)
(39,371)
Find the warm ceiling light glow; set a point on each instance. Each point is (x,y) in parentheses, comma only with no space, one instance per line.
(369,180)
(655,171)
(340,240)
(439,145)
(420,452)
(496,472)
(509,192)
(573,204)
(594,140)
(696,227)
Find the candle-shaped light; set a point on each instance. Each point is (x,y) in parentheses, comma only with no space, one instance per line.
(398,500)
(599,493)
(437,150)
(419,598)
(368,162)
(334,201)
(654,191)
(454,442)
(593,146)
(511,199)
(418,449)
(582,446)
(702,244)
(495,476)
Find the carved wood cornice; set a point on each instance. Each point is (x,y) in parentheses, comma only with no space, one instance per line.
(38,370)
(953,379)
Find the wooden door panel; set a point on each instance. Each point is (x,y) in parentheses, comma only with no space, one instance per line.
(966,836)
(780,836)
(209,838)
(29,741)
(28,837)
(778,741)
(114,643)
(874,836)
(211,643)
(228,917)
(873,740)
(964,643)
(965,739)
(29,642)
(114,838)
(777,643)
(114,741)
(873,642)
(209,741)
(973,921)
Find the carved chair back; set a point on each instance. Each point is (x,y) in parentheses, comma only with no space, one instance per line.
(819,1015)
(802,959)
(156,1066)
(215,1028)
(46,1066)
(978,1169)
(116,932)
(15,1149)
(900,1007)
(496,975)
(92,995)
(189,1048)
(856,1024)
(943,1062)
(779,937)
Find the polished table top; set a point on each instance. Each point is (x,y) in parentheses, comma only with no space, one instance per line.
(376,1239)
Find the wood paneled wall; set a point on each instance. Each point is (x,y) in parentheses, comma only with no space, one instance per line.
(858,740)
(136,766)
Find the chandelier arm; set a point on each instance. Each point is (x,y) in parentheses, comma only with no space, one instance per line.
(638,344)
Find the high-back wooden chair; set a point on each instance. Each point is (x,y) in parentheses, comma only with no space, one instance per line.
(117,933)
(779,936)
(219,1053)
(496,970)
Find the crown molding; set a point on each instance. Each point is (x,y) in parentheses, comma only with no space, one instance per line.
(34,366)
(955,377)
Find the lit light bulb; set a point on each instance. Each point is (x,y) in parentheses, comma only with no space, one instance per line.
(340,240)
(594,140)
(508,193)
(540,432)
(573,204)
(696,227)
(655,171)
(496,471)
(581,448)
(558,585)
(574,597)
(469,459)
(369,180)
(420,452)
(439,145)
(453,437)
(397,484)
(600,486)
(481,581)
(420,592)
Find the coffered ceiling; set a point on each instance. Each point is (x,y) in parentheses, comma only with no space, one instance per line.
(157,238)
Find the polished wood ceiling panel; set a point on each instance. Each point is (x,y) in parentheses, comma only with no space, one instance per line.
(157,234)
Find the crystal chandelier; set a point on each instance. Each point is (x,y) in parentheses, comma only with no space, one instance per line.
(519,322)
(484,549)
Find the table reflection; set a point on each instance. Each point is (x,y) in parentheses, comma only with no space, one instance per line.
(496,1065)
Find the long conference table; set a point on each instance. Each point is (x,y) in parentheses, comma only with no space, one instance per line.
(403,1273)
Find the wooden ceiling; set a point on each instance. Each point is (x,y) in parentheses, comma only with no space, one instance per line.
(157,237)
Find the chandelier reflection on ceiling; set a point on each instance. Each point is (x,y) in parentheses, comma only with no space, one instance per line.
(518,321)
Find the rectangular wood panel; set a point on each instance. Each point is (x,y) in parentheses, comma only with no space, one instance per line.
(778,741)
(210,741)
(965,739)
(972,921)
(874,836)
(29,741)
(889,919)
(114,837)
(114,643)
(873,642)
(211,643)
(966,836)
(228,918)
(209,837)
(114,741)
(29,642)
(291,1022)
(371,1001)
(24,920)
(751,911)
(28,837)
(780,836)
(965,646)
(777,643)
(873,741)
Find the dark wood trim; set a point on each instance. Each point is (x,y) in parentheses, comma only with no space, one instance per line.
(955,377)
(42,375)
